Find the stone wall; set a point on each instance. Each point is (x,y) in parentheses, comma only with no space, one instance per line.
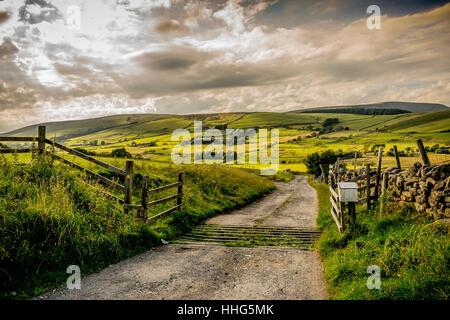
(426,187)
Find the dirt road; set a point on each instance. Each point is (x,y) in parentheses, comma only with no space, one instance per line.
(209,271)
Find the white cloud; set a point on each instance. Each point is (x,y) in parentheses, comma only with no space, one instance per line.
(212,57)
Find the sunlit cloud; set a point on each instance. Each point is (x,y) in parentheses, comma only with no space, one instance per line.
(135,56)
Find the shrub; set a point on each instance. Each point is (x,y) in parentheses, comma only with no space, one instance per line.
(89,153)
(330,122)
(313,161)
(120,153)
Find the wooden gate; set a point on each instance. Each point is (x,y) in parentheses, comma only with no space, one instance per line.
(126,189)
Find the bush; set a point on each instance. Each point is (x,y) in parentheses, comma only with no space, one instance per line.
(330,122)
(84,151)
(313,161)
(120,153)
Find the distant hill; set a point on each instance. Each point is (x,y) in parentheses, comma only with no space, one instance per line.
(393,105)
(64,130)
(422,122)
(141,128)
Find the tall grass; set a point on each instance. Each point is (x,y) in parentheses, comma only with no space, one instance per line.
(413,254)
(50,219)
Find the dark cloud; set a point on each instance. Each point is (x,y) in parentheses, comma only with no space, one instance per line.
(48,12)
(181,69)
(4,16)
(7,48)
(292,13)
(185,105)
(167,60)
(18,90)
(72,70)
(170,26)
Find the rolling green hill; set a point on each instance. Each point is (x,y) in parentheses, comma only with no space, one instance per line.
(407,106)
(148,136)
(422,122)
(64,130)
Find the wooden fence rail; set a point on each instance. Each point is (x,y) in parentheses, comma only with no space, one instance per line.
(368,191)
(103,180)
(336,211)
(15,150)
(146,192)
(126,189)
(86,157)
(19,139)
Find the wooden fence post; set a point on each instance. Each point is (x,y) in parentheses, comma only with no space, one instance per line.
(323,172)
(330,176)
(128,185)
(368,185)
(41,139)
(397,159)
(342,215)
(352,216)
(423,153)
(355,160)
(377,184)
(144,196)
(180,189)
(384,184)
(384,187)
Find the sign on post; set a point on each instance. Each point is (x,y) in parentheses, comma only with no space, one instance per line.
(348,191)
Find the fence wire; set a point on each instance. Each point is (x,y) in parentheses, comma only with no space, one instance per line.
(350,162)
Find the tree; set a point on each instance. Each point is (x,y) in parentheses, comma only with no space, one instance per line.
(120,153)
(84,151)
(313,161)
(330,121)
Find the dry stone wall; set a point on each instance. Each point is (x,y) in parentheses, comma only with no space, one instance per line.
(426,187)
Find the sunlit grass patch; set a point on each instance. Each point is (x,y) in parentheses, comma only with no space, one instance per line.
(412,254)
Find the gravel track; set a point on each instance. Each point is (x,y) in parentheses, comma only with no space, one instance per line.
(202,272)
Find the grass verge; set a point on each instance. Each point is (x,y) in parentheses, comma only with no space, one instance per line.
(50,219)
(412,253)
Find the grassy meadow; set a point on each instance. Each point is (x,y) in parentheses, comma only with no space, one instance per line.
(51,218)
(411,251)
(149,137)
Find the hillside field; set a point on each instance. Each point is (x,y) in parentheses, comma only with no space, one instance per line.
(52,216)
(148,137)
(76,223)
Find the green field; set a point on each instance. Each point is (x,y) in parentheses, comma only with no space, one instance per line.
(300,134)
(52,216)
(411,251)
(75,223)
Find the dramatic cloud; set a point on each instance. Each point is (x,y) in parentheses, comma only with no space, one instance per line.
(176,56)
(170,26)
(3,17)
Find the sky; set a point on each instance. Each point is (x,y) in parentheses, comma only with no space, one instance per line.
(181,57)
